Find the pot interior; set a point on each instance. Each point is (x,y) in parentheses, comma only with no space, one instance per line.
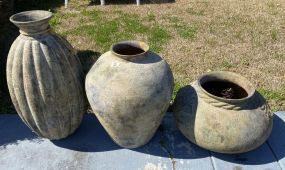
(224,89)
(129,48)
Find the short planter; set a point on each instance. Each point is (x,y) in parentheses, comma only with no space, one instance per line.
(222,112)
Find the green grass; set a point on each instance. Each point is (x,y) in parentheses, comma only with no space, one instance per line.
(158,37)
(150,17)
(226,65)
(56,20)
(133,24)
(104,31)
(275,96)
(274,35)
(245,62)
(94,14)
(183,30)
(222,66)
(187,32)
(193,11)
(272,8)
(176,88)
(278,95)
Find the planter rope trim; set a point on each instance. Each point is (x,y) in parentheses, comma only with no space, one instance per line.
(219,104)
(229,106)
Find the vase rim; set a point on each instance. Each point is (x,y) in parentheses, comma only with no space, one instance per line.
(227,76)
(130,43)
(31,17)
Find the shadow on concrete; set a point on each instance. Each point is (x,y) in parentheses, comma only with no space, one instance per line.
(167,141)
(12,129)
(89,137)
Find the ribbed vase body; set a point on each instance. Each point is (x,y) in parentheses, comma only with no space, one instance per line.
(45,82)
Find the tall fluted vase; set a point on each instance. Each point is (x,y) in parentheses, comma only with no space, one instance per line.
(44,77)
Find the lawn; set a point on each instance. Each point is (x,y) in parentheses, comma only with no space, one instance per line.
(193,36)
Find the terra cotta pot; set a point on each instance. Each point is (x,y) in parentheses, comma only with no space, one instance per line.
(44,77)
(129,88)
(222,112)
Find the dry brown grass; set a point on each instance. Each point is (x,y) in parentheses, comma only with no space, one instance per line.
(247,37)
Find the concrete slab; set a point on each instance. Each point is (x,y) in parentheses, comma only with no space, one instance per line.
(276,140)
(91,148)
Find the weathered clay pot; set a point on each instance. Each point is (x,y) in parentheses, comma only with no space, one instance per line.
(234,122)
(129,89)
(44,77)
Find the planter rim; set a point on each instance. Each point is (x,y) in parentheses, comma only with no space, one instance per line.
(249,87)
(46,16)
(138,44)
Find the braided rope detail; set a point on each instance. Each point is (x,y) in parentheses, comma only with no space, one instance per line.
(217,103)
(255,102)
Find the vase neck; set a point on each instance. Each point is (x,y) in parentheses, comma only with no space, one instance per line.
(32,22)
(130,50)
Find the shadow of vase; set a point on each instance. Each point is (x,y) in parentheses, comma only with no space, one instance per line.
(26,5)
(87,59)
(89,137)
(166,142)
(14,130)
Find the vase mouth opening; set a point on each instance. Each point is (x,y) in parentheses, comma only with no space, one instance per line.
(127,49)
(226,86)
(31,17)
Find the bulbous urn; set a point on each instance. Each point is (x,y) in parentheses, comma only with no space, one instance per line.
(129,88)
(223,112)
(44,77)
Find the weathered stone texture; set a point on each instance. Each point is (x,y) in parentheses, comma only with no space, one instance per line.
(223,125)
(129,95)
(45,78)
